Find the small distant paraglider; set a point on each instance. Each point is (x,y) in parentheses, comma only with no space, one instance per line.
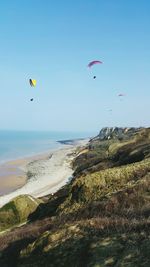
(121,95)
(92,63)
(32,84)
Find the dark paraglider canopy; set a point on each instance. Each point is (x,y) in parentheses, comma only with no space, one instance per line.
(31,99)
(121,94)
(94,62)
(94,77)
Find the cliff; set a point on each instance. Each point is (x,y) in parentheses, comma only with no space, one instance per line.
(101,218)
(117,133)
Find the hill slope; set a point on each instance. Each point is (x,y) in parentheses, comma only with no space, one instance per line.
(102,218)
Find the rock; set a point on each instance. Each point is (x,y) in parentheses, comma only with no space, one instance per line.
(116,133)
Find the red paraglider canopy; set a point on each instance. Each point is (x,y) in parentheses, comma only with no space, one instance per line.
(94,62)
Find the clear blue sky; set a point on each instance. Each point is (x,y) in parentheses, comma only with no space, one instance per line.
(53,41)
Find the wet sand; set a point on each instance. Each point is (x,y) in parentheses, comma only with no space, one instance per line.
(12,176)
(39,175)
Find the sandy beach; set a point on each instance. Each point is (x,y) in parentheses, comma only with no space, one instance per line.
(39,175)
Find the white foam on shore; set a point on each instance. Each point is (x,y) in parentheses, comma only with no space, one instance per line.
(48,174)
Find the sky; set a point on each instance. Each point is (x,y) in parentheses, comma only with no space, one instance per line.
(53,41)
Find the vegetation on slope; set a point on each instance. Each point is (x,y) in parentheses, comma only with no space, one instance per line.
(17,211)
(102,218)
(95,242)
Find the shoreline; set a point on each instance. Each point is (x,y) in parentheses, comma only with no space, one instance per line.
(13,172)
(45,173)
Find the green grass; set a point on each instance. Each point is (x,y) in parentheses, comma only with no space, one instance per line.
(101,185)
(17,211)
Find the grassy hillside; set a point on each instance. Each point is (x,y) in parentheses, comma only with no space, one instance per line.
(17,211)
(102,218)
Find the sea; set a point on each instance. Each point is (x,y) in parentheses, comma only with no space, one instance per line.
(20,144)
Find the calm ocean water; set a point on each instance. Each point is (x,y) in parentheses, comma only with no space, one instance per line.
(17,144)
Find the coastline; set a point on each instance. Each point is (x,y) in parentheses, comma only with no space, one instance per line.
(43,174)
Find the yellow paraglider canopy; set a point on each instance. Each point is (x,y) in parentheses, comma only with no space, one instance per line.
(32,82)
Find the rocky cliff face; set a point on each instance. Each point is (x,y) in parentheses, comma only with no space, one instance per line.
(108,133)
(114,147)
